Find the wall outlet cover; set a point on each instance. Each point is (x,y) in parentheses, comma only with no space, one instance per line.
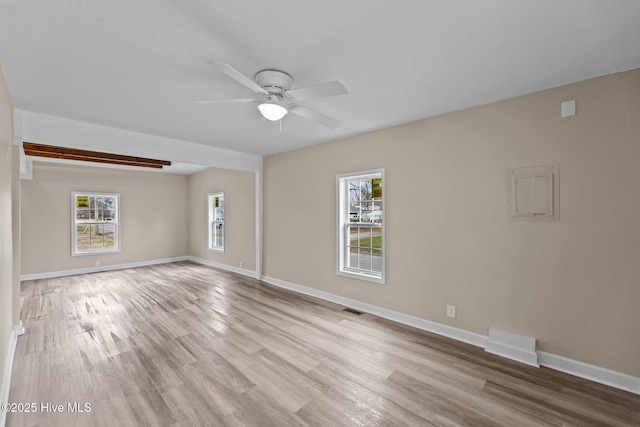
(451,311)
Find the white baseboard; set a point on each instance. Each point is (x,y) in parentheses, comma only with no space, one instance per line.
(8,367)
(243,271)
(427,325)
(62,273)
(513,346)
(558,363)
(19,329)
(590,372)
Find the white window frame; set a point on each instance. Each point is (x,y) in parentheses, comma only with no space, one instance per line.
(343,220)
(214,222)
(115,221)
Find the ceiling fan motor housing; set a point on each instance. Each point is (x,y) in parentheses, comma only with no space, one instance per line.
(274,81)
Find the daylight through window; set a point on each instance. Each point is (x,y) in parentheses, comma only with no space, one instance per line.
(361,225)
(95,223)
(216,221)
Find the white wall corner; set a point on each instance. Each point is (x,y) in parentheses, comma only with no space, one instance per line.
(259,206)
(18,126)
(512,346)
(26,166)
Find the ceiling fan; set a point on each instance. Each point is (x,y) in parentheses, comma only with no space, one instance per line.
(276,96)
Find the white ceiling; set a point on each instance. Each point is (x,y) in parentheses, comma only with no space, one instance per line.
(135,65)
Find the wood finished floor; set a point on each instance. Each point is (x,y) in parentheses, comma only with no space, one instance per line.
(182,344)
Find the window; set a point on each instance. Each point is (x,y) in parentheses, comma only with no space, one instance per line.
(95,223)
(215,203)
(360,225)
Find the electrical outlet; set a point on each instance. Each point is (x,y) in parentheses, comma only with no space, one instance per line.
(97,264)
(451,311)
(240,264)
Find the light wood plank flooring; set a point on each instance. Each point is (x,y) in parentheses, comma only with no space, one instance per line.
(182,344)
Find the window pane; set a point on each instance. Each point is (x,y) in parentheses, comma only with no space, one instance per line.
(218,235)
(82,237)
(353,236)
(364,259)
(365,240)
(97,233)
(96,227)
(376,239)
(109,236)
(352,259)
(376,260)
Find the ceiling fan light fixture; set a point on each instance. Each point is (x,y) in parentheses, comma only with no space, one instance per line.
(272,111)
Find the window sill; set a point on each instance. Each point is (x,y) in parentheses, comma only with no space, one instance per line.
(216,250)
(96,252)
(362,276)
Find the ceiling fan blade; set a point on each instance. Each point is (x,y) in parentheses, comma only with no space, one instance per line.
(239,77)
(317,91)
(310,114)
(220,101)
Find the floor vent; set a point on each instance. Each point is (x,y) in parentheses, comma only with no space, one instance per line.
(353,311)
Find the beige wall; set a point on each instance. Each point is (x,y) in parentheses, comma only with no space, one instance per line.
(573,284)
(154,210)
(239,207)
(8,293)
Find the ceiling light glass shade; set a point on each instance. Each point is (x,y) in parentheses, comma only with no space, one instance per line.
(271,111)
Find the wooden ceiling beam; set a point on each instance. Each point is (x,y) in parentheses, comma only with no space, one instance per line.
(89,159)
(50,151)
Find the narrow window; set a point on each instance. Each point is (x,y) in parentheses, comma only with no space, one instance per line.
(360,225)
(95,223)
(215,202)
